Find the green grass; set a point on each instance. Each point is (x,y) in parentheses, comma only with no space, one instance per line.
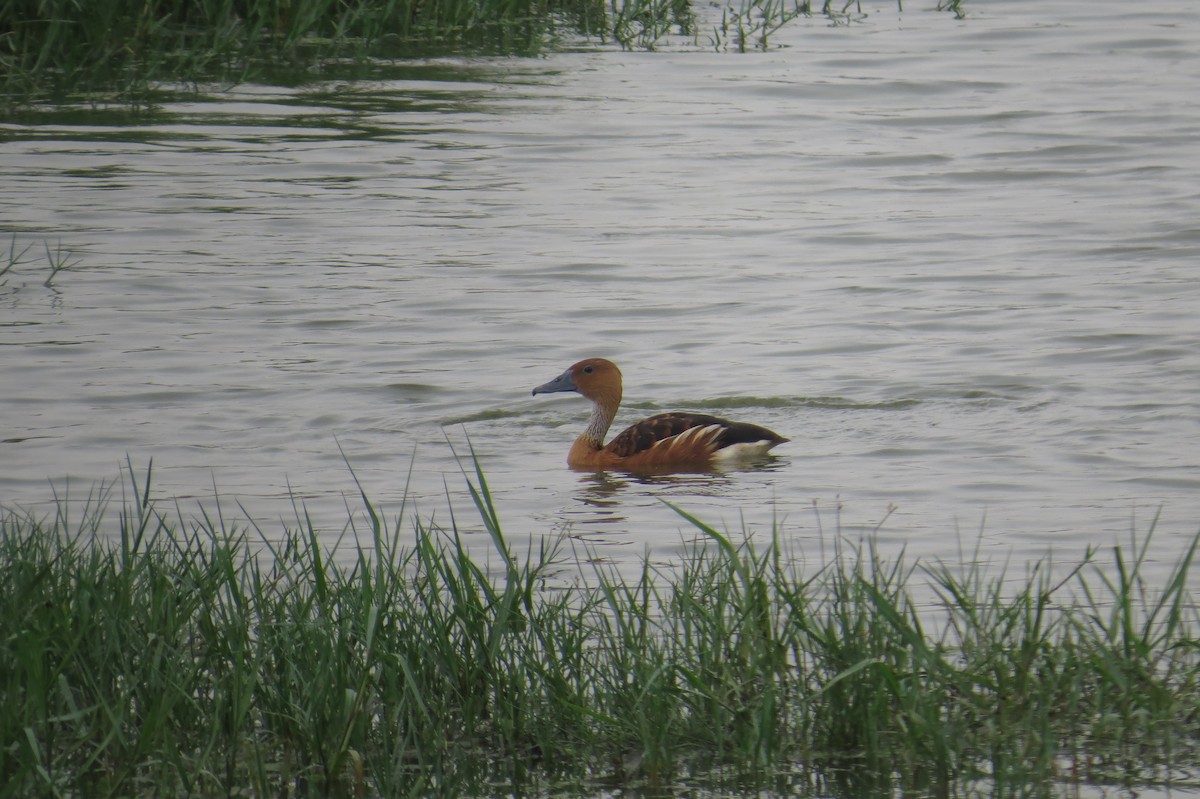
(115,50)
(145,653)
(138,52)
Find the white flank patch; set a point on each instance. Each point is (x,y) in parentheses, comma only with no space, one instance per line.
(746,451)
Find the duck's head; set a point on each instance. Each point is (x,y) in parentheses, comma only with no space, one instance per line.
(594,378)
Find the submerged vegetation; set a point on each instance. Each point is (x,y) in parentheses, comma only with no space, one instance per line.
(105,51)
(154,655)
(58,260)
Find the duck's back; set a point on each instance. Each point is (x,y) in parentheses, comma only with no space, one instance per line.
(661,439)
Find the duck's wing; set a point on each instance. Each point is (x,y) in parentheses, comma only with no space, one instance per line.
(645,434)
(664,433)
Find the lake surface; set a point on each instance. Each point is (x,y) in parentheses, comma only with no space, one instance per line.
(955,261)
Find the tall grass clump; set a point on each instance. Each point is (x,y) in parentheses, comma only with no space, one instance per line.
(146,653)
(133,51)
(105,49)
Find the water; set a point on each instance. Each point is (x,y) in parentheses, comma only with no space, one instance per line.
(954,261)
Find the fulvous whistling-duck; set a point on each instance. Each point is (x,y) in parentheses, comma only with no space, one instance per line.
(666,442)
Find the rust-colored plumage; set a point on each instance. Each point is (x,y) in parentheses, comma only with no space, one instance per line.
(666,442)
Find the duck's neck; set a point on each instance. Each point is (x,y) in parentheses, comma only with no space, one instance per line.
(604,410)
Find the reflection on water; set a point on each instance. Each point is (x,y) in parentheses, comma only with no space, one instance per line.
(602,493)
(952,261)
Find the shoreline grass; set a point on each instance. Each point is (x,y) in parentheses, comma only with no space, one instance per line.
(138,52)
(151,654)
(116,50)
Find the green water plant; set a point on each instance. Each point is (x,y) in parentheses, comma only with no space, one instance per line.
(751,24)
(133,53)
(105,50)
(14,257)
(149,652)
(58,260)
(642,24)
(953,6)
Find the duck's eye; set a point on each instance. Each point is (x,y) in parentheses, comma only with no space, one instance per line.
(587,370)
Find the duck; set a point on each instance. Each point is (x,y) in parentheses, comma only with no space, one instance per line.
(665,442)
